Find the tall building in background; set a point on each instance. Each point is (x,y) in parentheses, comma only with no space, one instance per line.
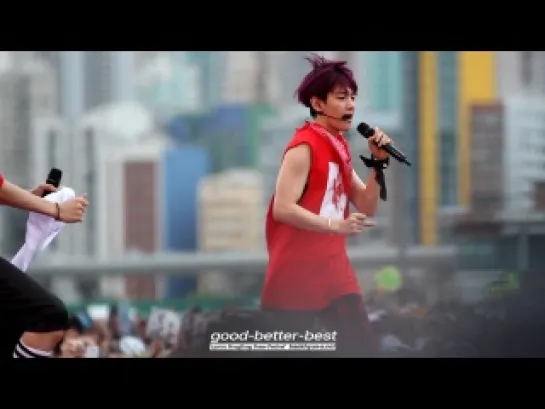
(231,134)
(503,193)
(382,80)
(27,93)
(129,209)
(230,218)
(70,71)
(210,68)
(88,79)
(492,170)
(294,68)
(520,73)
(523,153)
(447,126)
(440,89)
(239,76)
(142,215)
(169,84)
(123,67)
(477,84)
(447,130)
(108,77)
(258,76)
(411,130)
(184,167)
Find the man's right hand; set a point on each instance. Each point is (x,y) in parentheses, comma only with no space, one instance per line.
(354,224)
(72,211)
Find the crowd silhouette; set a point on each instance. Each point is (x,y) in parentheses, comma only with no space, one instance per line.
(510,323)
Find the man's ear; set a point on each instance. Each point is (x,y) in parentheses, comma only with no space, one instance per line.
(317,104)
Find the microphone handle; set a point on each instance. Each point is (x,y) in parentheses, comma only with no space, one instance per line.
(52,182)
(397,155)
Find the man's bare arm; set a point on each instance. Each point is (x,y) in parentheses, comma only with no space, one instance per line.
(290,184)
(14,196)
(365,196)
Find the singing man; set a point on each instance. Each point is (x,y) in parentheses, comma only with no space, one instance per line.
(308,219)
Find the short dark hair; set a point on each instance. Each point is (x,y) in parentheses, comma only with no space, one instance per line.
(324,77)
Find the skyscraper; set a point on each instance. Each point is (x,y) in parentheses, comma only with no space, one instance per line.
(440,89)
(87,79)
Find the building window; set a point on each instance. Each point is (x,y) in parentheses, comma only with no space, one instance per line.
(448,86)
(448,118)
(448,166)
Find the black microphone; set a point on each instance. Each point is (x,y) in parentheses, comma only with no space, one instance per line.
(54,179)
(366,131)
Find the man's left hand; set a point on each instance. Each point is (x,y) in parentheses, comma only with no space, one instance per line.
(43,188)
(381,139)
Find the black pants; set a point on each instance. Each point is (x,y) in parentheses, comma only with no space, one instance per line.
(25,306)
(346,315)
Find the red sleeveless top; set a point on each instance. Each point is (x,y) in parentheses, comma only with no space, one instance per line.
(308,270)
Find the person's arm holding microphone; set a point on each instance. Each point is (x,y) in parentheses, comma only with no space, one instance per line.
(71,211)
(364,196)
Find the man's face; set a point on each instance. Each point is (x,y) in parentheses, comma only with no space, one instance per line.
(340,103)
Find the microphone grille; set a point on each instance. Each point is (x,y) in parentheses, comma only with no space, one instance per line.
(55,174)
(365,130)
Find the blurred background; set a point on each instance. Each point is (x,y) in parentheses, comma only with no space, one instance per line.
(179,152)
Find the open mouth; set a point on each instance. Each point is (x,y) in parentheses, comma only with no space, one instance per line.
(347,117)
